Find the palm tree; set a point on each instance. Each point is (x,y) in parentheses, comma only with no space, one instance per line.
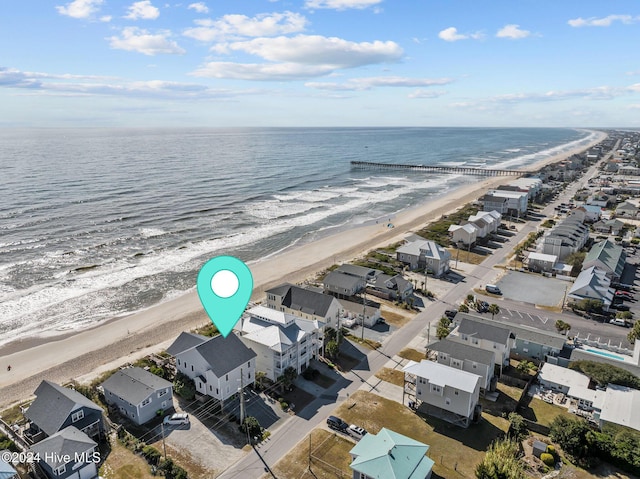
(493,309)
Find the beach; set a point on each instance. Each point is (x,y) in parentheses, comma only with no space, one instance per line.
(117,341)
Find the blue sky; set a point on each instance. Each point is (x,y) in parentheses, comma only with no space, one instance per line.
(320,63)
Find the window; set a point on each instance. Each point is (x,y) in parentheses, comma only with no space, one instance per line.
(447,401)
(475,365)
(210,388)
(226,377)
(60,470)
(249,364)
(192,367)
(76,416)
(163,392)
(148,400)
(474,340)
(455,392)
(178,362)
(217,391)
(526,350)
(436,389)
(495,347)
(464,337)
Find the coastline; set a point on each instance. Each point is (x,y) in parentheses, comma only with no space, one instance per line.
(73,354)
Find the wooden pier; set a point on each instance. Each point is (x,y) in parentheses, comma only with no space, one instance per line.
(462,170)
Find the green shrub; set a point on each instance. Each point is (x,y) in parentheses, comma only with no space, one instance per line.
(151,454)
(548,459)
(551,450)
(184,386)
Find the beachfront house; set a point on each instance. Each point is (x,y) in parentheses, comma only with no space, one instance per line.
(138,394)
(56,408)
(425,254)
(466,234)
(343,285)
(486,221)
(608,257)
(218,365)
(304,303)
(391,287)
(390,455)
(67,454)
(592,283)
(446,392)
(486,335)
(516,202)
(368,274)
(280,340)
(467,358)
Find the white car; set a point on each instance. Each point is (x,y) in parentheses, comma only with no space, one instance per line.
(177,419)
(360,431)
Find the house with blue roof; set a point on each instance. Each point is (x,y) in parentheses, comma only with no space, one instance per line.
(389,455)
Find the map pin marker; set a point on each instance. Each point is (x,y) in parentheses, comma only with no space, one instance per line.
(224,286)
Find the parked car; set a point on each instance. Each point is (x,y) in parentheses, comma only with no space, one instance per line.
(492,288)
(622,286)
(618,322)
(620,307)
(482,306)
(624,295)
(450,313)
(357,430)
(177,419)
(336,423)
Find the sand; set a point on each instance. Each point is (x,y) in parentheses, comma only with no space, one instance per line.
(120,340)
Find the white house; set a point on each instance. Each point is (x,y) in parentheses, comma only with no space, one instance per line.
(218,366)
(280,340)
(540,262)
(516,201)
(467,358)
(305,303)
(466,234)
(444,388)
(491,218)
(351,313)
(561,379)
(426,253)
(592,213)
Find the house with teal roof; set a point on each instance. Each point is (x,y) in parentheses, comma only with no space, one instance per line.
(389,455)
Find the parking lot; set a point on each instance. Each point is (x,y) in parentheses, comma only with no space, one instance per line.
(533,288)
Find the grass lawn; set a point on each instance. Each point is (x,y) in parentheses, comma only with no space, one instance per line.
(449,444)
(541,412)
(394,318)
(330,458)
(393,376)
(124,464)
(472,258)
(412,354)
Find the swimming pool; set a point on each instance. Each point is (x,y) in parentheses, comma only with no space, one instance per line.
(604,353)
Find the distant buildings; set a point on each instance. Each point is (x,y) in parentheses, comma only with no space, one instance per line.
(307,304)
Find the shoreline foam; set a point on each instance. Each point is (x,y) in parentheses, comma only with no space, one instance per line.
(113,340)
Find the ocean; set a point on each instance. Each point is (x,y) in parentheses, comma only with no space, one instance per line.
(99,223)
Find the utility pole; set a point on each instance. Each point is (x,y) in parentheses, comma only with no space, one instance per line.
(364,311)
(241,392)
(164,446)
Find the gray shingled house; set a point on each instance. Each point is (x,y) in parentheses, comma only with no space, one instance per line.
(68,454)
(467,358)
(138,394)
(56,408)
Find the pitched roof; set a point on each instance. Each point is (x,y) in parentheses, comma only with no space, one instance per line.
(54,404)
(185,341)
(300,299)
(460,350)
(482,329)
(443,375)
(611,256)
(342,280)
(389,455)
(134,384)
(68,442)
(224,354)
(356,270)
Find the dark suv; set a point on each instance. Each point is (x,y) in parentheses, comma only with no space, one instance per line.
(336,423)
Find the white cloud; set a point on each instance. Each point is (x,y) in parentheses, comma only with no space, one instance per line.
(87,85)
(451,35)
(360,84)
(602,22)
(142,10)
(341,4)
(512,31)
(299,57)
(427,93)
(241,26)
(80,8)
(319,50)
(139,40)
(199,7)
